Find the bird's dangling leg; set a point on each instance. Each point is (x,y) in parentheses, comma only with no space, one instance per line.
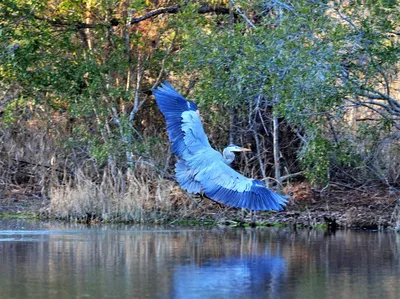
(201,197)
(220,207)
(192,199)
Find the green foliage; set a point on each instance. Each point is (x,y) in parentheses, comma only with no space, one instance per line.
(18,215)
(305,59)
(74,73)
(315,159)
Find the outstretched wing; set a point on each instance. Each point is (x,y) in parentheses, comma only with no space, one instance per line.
(184,127)
(223,184)
(200,166)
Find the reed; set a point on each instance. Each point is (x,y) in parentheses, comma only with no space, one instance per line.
(29,159)
(130,196)
(73,187)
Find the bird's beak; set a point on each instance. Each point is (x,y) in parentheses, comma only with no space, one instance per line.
(241,149)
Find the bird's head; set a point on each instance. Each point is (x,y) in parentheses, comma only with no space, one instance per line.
(229,151)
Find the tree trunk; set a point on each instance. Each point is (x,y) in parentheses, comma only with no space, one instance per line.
(232,120)
(277,165)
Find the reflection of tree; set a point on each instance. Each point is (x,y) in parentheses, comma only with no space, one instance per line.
(342,265)
(139,262)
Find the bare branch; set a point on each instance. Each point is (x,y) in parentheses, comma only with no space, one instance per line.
(377,95)
(243,15)
(291,175)
(389,109)
(346,19)
(115,22)
(285,6)
(368,105)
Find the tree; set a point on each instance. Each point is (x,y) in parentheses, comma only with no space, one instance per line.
(314,62)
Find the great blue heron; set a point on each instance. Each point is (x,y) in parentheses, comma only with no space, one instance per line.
(200,168)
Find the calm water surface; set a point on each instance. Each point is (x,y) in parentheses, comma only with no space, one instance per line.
(43,260)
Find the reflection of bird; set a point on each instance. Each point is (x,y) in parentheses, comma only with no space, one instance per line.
(232,277)
(202,169)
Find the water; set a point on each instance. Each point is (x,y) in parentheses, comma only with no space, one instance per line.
(42,260)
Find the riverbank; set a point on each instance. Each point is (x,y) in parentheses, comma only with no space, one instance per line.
(338,207)
(341,206)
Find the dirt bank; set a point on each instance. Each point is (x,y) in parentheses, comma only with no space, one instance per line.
(19,202)
(340,206)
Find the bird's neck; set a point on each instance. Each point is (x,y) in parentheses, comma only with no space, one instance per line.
(228,156)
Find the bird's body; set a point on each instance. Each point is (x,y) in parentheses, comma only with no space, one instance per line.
(200,168)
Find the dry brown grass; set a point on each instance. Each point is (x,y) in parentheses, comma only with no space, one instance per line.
(28,158)
(133,196)
(35,167)
(33,161)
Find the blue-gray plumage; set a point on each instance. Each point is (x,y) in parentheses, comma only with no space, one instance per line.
(202,169)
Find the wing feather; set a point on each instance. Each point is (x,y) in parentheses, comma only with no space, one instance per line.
(200,167)
(185,177)
(195,138)
(173,105)
(223,184)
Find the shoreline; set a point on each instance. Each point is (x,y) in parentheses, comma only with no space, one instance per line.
(371,209)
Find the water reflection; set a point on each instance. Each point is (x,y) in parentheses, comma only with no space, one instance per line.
(45,260)
(241,276)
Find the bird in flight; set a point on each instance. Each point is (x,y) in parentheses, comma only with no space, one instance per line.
(200,168)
